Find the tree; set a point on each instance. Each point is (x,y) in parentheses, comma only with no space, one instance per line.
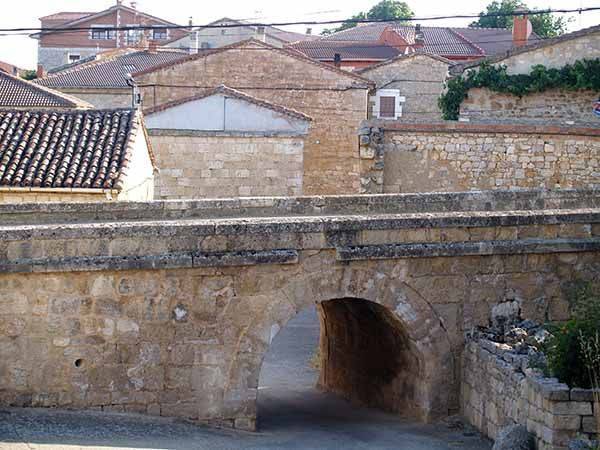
(384,10)
(544,25)
(29,74)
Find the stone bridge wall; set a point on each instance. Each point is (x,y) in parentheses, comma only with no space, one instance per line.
(169,307)
(453,156)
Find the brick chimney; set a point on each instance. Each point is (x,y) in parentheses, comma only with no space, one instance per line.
(392,39)
(521,28)
(40,72)
(152,46)
(419,38)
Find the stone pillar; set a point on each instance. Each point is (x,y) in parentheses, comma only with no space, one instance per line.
(371,154)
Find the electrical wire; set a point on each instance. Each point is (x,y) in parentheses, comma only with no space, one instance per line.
(313,22)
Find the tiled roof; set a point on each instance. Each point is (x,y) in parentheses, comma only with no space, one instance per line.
(66,16)
(222,89)
(109,72)
(351,50)
(251,43)
(404,57)
(66,148)
(534,44)
(18,93)
(444,41)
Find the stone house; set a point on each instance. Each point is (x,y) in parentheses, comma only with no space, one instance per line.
(71,155)
(219,34)
(558,106)
(94,32)
(224,143)
(407,86)
(336,100)
(104,80)
(18,93)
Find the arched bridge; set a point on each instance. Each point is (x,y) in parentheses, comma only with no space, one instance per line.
(169,307)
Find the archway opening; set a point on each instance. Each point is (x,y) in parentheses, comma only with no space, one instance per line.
(339,350)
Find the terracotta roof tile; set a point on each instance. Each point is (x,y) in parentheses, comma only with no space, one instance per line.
(222,89)
(65,148)
(110,72)
(16,92)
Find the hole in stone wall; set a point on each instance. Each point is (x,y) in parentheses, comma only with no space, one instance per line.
(78,362)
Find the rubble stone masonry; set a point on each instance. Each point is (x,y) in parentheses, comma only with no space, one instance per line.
(337,103)
(452,156)
(499,389)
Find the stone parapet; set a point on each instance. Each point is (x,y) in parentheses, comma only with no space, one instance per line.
(499,389)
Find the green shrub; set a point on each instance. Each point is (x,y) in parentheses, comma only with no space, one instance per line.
(566,355)
(582,74)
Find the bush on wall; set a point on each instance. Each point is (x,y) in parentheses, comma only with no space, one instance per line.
(583,74)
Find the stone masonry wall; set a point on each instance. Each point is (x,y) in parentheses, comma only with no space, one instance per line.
(420,79)
(35,196)
(457,156)
(336,102)
(498,389)
(557,106)
(215,166)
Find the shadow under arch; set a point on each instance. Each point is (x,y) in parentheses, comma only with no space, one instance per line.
(415,379)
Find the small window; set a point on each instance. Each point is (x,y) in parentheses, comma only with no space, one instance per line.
(205,45)
(99,33)
(74,57)
(159,34)
(387,107)
(223,31)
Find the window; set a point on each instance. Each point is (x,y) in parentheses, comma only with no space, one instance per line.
(223,31)
(133,36)
(205,45)
(73,57)
(387,104)
(100,33)
(387,107)
(159,34)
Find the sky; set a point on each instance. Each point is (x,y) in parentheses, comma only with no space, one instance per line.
(21,50)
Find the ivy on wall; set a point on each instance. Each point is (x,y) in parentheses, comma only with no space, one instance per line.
(583,74)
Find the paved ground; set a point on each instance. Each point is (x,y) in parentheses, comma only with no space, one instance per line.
(292,415)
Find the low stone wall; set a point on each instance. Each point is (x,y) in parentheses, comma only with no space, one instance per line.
(499,389)
(452,156)
(217,165)
(554,105)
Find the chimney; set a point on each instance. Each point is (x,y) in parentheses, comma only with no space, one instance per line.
(419,38)
(337,60)
(133,4)
(309,31)
(260,33)
(190,21)
(40,72)
(152,46)
(521,28)
(119,2)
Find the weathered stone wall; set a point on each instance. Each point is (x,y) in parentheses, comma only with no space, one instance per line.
(173,317)
(558,106)
(420,79)
(499,389)
(103,98)
(563,51)
(27,195)
(216,165)
(336,102)
(398,157)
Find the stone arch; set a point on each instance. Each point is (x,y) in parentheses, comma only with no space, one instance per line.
(423,327)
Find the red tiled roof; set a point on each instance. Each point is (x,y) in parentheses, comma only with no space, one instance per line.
(18,93)
(66,148)
(348,50)
(443,41)
(222,89)
(66,16)
(110,72)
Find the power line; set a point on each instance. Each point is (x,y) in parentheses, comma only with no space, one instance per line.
(312,22)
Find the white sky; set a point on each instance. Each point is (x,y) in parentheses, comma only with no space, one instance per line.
(21,50)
